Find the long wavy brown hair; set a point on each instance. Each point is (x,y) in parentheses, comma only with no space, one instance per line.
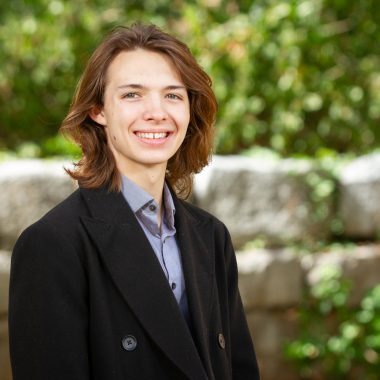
(97,166)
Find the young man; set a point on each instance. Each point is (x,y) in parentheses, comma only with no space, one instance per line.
(123,279)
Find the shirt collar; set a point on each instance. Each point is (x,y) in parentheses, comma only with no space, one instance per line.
(169,206)
(136,196)
(138,199)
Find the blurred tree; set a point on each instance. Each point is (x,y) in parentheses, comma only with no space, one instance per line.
(298,76)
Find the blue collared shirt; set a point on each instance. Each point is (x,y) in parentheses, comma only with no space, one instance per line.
(162,240)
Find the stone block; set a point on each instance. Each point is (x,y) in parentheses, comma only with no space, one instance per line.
(5,263)
(5,370)
(5,367)
(269,278)
(29,188)
(264,198)
(359,265)
(359,200)
(271,330)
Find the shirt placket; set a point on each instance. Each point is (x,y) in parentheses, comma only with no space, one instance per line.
(167,240)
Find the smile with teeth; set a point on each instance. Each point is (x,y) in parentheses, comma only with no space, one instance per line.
(152,135)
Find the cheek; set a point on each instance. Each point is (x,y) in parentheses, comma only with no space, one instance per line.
(184,118)
(112,136)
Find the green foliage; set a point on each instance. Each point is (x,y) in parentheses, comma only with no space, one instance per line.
(337,342)
(297,76)
(301,77)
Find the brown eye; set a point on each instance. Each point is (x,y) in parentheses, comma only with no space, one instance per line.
(130,95)
(173,96)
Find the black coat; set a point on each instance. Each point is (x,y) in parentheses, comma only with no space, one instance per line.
(89,300)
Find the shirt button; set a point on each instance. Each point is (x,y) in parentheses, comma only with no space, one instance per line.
(152,207)
(174,285)
(221,341)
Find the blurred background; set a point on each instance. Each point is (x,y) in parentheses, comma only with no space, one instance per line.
(296,80)
(301,78)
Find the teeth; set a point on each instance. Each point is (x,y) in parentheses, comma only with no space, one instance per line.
(150,135)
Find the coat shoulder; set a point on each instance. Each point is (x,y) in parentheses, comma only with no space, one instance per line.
(208,223)
(199,214)
(67,210)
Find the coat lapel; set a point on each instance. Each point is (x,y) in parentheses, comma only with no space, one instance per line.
(193,238)
(136,272)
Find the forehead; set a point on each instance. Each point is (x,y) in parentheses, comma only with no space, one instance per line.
(142,66)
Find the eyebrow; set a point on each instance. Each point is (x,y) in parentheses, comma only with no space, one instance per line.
(141,87)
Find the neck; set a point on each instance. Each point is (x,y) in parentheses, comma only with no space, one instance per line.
(150,179)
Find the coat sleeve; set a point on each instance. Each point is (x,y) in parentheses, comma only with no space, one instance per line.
(47,308)
(243,357)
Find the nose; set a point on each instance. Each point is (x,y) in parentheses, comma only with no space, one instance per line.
(155,109)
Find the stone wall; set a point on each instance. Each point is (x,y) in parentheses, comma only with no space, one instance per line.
(273,200)
(261,198)
(271,285)
(29,188)
(291,200)
(5,371)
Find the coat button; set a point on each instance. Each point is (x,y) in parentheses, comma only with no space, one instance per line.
(221,341)
(129,343)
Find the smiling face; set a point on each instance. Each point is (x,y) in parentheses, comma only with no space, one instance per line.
(146,110)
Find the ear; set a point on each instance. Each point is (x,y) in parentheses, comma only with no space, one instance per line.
(97,114)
